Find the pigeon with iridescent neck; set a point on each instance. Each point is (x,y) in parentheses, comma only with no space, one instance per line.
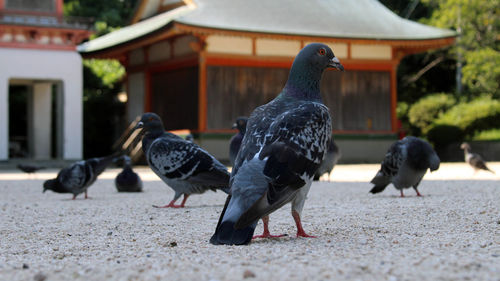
(284,144)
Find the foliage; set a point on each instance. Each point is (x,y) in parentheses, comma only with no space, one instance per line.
(443,135)
(108,15)
(482,72)
(480,114)
(108,72)
(487,135)
(423,113)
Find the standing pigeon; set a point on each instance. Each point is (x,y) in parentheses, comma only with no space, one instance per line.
(283,146)
(331,158)
(405,164)
(475,160)
(77,177)
(235,143)
(127,180)
(28,168)
(182,165)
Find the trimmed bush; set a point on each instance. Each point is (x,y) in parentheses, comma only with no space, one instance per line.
(442,135)
(488,135)
(478,115)
(424,112)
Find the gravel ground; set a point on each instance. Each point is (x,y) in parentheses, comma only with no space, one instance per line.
(452,233)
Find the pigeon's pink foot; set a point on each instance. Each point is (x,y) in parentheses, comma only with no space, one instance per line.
(300,230)
(402,194)
(266,233)
(172,205)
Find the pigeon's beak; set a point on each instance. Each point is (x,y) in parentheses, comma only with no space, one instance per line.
(139,125)
(335,63)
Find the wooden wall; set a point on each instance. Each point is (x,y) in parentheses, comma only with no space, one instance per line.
(237,91)
(358,100)
(175,97)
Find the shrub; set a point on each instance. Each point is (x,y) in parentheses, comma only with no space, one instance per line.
(480,114)
(424,112)
(488,135)
(442,135)
(482,71)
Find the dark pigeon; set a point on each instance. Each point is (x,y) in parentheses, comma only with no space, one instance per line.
(284,144)
(235,143)
(127,180)
(77,177)
(182,165)
(189,138)
(28,168)
(331,158)
(405,164)
(475,160)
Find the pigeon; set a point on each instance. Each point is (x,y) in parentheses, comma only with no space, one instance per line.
(475,160)
(189,138)
(127,180)
(331,158)
(284,144)
(182,165)
(77,177)
(235,143)
(405,164)
(28,168)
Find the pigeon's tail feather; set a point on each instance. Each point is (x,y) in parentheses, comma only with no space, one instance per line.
(226,189)
(377,189)
(380,181)
(226,234)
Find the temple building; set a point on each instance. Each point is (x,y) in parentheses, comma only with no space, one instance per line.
(41,81)
(200,64)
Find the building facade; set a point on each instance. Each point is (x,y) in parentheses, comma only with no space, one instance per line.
(200,64)
(38,54)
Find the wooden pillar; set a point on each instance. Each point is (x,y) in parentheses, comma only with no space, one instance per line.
(202,88)
(394,98)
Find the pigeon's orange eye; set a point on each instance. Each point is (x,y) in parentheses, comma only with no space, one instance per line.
(151,118)
(322,52)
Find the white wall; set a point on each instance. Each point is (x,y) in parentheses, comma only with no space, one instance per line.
(43,65)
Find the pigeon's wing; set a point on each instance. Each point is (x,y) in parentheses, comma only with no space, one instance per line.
(75,176)
(477,161)
(293,149)
(175,158)
(393,160)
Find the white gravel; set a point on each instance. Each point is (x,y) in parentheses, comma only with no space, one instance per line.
(452,233)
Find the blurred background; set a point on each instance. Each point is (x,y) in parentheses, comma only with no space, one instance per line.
(200,64)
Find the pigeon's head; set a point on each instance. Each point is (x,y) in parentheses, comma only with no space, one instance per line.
(318,57)
(465,146)
(150,122)
(240,124)
(49,185)
(434,162)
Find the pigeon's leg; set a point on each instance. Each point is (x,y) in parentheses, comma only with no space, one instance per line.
(266,233)
(74,197)
(300,230)
(172,203)
(418,193)
(402,194)
(184,200)
(86,196)
(297,206)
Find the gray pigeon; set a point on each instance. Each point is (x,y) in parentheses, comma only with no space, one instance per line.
(405,164)
(182,165)
(127,180)
(475,160)
(235,143)
(331,158)
(77,177)
(29,168)
(284,144)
